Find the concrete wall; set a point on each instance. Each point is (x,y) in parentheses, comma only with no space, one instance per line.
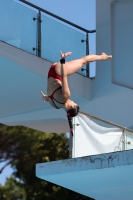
(110,101)
(22,77)
(122,42)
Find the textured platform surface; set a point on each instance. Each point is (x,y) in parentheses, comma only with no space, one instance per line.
(102,177)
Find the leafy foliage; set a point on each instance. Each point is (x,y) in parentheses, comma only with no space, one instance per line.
(12,190)
(23,148)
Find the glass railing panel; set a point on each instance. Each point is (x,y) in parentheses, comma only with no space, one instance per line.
(97,137)
(57,36)
(128,140)
(109,126)
(17,26)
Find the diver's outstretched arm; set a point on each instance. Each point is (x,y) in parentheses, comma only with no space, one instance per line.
(65,87)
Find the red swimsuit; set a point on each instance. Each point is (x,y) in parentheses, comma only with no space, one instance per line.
(52,73)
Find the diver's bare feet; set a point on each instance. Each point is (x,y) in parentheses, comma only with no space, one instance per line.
(105,56)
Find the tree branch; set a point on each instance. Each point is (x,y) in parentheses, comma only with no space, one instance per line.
(5,166)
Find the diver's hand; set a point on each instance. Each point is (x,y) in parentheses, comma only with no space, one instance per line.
(44,97)
(64,55)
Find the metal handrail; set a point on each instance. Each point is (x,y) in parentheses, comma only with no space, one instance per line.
(67,22)
(111,123)
(57,17)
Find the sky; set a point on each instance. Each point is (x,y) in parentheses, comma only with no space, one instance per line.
(80,12)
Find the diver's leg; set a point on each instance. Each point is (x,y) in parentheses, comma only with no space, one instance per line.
(74,65)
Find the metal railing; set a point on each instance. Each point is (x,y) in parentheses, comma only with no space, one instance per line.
(107,122)
(63,20)
(123,139)
(41,33)
(115,125)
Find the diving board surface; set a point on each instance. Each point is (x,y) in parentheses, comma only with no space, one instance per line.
(102,177)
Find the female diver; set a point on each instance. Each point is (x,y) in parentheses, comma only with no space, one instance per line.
(58,92)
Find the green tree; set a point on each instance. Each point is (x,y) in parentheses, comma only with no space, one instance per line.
(22,148)
(13,190)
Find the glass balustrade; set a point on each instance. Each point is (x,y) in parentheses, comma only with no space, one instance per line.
(100,135)
(17,26)
(20,28)
(128,140)
(57,36)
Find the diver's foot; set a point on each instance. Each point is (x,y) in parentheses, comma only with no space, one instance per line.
(105,56)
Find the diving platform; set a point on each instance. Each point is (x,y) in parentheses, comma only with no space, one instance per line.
(101,177)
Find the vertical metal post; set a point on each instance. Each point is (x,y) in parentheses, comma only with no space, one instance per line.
(87,53)
(71,145)
(123,140)
(39,33)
